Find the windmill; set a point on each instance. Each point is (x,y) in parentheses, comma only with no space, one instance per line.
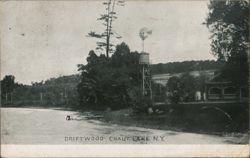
(144,61)
(144,33)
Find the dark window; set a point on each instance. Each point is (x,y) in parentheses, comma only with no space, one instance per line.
(244,92)
(229,90)
(215,90)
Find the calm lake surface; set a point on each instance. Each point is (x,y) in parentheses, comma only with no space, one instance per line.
(49,126)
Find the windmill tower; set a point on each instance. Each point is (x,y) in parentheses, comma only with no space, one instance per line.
(144,62)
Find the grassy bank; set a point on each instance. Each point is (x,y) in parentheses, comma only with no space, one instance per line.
(209,118)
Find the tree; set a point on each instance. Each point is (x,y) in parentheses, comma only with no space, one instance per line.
(7,85)
(109,83)
(108,19)
(175,89)
(200,82)
(228,21)
(189,86)
(183,88)
(120,56)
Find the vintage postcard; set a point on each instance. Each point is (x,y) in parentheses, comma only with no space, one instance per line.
(125,78)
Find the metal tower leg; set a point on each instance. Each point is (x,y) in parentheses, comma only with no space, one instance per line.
(146,81)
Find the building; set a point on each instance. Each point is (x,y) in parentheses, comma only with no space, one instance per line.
(216,88)
(199,95)
(225,90)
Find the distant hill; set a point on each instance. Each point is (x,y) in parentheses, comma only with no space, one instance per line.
(68,81)
(163,78)
(185,66)
(161,72)
(167,68)
(60,91)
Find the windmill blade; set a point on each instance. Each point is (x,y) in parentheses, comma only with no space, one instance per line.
(149,32)
(144,33)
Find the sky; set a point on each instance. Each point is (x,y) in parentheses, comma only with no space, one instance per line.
(44,39)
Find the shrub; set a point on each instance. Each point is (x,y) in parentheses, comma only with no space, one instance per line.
(142,104)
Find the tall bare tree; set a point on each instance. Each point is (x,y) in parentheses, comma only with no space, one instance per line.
(107,18)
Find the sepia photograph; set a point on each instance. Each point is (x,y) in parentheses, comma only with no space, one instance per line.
(152,74)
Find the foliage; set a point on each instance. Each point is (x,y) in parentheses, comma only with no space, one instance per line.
(141,105)
(8,84)
(183,88)
(189,86)
(59,91)
(228,22)
(159,94)
(107,19)
(7,87)
(175,89)
(109,82)
(200,82)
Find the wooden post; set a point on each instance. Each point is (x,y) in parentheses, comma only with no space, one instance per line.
(41,97)
(143,81)
(222,92)
(6,97)
(61,96)
(11,97)
(240,94)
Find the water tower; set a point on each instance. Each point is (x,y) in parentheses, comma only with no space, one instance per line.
(144,62)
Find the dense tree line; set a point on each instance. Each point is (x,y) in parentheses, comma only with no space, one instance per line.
(185,66)
(59,91)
